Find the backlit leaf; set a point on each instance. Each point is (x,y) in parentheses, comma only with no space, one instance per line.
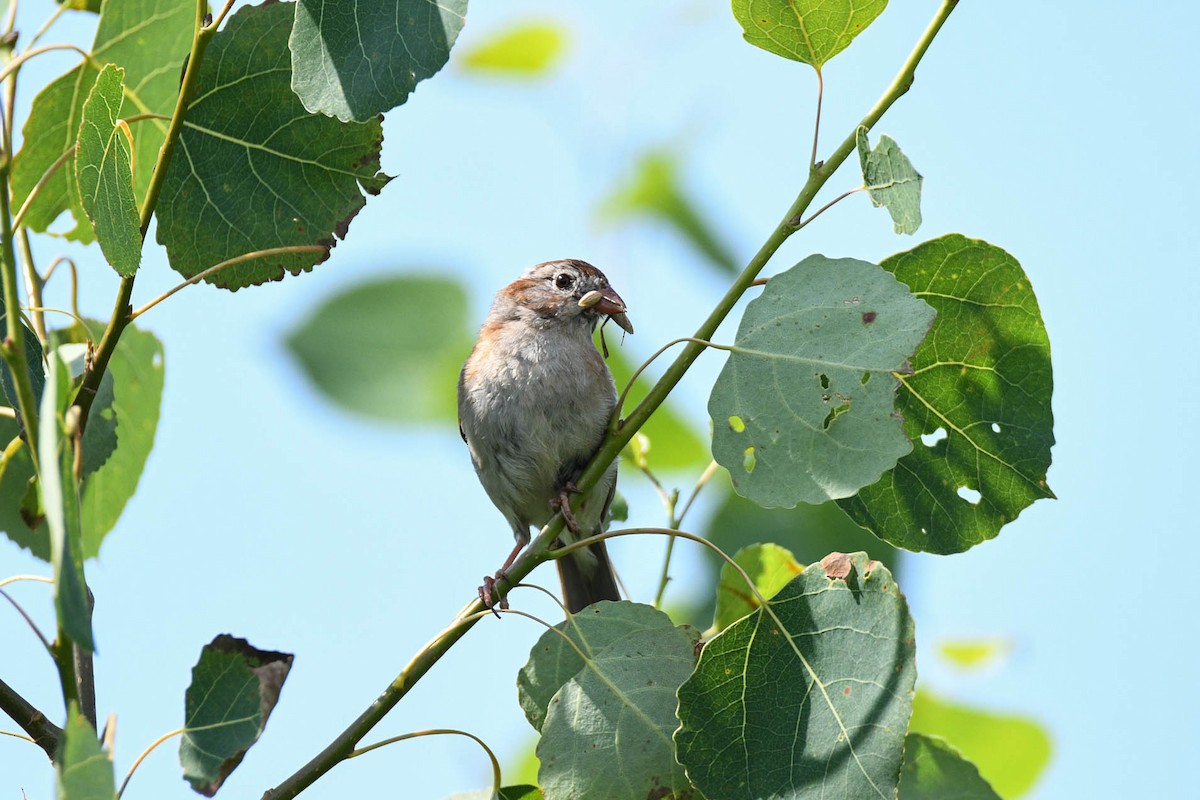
(769,566)
(527,50)
(812,31)
(934,770)
(891,181)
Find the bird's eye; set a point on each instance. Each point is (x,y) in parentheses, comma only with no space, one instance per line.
(564,280)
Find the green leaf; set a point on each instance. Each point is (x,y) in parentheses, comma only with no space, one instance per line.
(669,441)
(814,703)
(234,688)
(78,5)
(527,49)
(83,770)
(933,770)
(553,661)
(148,38)
(34,362)
(891,181)
(137,386)
(506,793)
(803,410)
(812,31)
(608,730)
(389,348)
(1010,751)
(977,404)
(655,191)
(21,524)
(239,183)
(60,501)
(104,175)
(769,566)
(357,60)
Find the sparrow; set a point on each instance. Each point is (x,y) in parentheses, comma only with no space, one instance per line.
(534,402)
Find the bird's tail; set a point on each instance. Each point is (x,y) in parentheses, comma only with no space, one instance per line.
(587,577)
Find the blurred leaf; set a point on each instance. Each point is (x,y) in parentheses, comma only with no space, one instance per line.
(390,348)
(768,565)
(234,688)
(242,182)
(84,771)
(60,503)
(79,5)
(608,729)
(1010,751)
(974,654)
(525,50)
(148,38)
(673,443)
(891,181)
(104,175)
(803,410)
(977,401)
(655,192)
(933,770)
(553,661)
(811,31)
(813,705)
(506,793)
(356,60)
(34,361)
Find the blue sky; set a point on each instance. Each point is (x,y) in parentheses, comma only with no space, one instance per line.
(1059,131)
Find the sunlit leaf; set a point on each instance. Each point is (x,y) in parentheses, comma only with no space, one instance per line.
(356,60)
(974,653)
(104,174)
(891,181)
(769,566)
(977,404)
(813,703)
(525,50)
(244,182)
(811,31)
(234,688)
(804,409)
(149,39)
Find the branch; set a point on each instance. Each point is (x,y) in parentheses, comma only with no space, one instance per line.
(341,747)
(44,732)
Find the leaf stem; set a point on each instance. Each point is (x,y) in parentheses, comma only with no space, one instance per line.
(199,276)
(496,782)
(45,733)
(19,61)
(58,164)
(138,761)
(53,18)
(536,552)
(800,224)
(812,162)
(29,621)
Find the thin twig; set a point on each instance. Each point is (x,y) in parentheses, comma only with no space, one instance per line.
(29,621)
(812,162)
(798,224)
(45,733)
(496,782)
(58,12)
(138,761)
(58,164)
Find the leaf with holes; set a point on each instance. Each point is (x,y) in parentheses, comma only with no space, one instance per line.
(934,770)
(891,181)
(104,175)
(808,696)
(234,688)
(240,183)
(357,60)
(803,410)
(811,31)
(149,39)
(608,729)
(553,660)
(769,566)
(977,403)
(84,771)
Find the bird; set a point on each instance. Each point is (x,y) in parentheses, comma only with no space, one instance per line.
(534,403)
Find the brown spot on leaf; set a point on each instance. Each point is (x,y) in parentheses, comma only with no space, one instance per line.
(869,317)
(837,565)
(846,691)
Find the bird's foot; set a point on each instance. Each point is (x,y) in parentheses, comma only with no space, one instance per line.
(487,590)
(562,504)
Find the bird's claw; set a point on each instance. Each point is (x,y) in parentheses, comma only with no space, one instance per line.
(486,591)
(562,504)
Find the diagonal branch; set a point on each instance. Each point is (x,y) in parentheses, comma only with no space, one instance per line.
(44,732)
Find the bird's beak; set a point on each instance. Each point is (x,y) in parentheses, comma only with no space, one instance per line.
(608,302)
